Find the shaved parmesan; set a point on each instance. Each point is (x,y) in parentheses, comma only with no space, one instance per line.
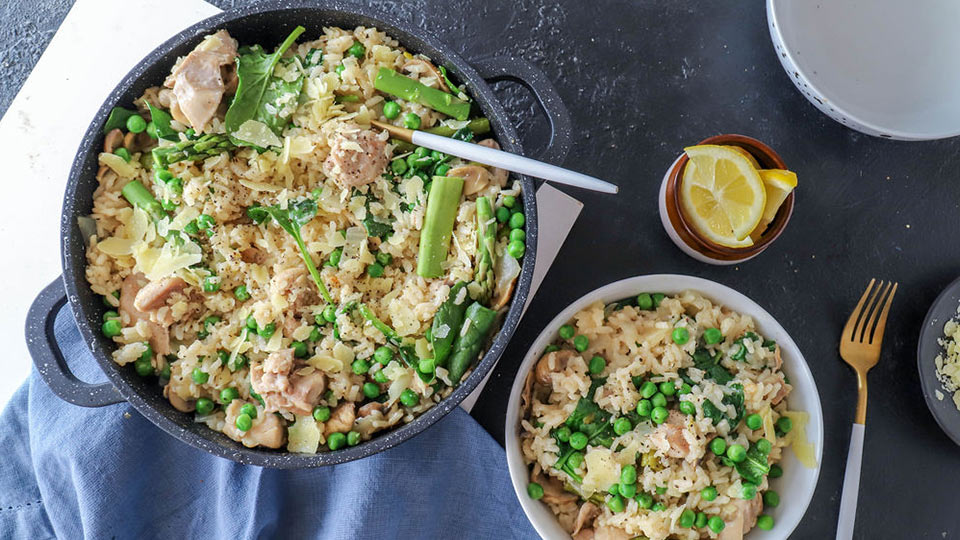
(798,438)
(602,470)
(257,134)
(118,165)
(304,435)
(259,186)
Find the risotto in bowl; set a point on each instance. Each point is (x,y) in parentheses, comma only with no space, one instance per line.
(664,406)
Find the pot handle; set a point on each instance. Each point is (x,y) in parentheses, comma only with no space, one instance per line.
(509,68)
(47,357)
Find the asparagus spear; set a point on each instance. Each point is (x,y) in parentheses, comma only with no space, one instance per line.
(203,147)
(138,195)
(471,339)
(442,203)
(478,126)
(391,82)
(447,323)
(486,242)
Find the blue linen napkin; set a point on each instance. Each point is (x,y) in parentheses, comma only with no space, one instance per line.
(72,472)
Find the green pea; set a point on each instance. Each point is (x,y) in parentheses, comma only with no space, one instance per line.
(168,205)
(648,389)
(398,166)
(687,518)
(409,398)
(267,330)
(383,354)
(411,121)
(252,323)
(205,221)
(503,214)
(535,491)
(622,425)
(509,201)
(360,366)
(427,365)
(518,235)
(776,471)
(597,365)
(771,498)
(628,475)
(658,415)
(375,270)
(764,522)
(566,331)
(321,414)
(712,336)
(785,424)
(299,349)
(668,388)
(442,170)
(684,389)
(244,422)
(550,348)
(143,366)
(228,394)
(718,446)
(357,50)
(204,406)
(748,491)
(371,390)
(353,438)
(315,334)
(380,377)
(657,298)
(211,284)
(644,301)
(111,328)
(516,248)
(391,109)
(644,407)
(575,460)
(384,258)
(136,124)
(199,377)
(716,524)
(581,342)
(645,500)
(223,356)
(578,440)
(763,446)
(687,408)
(628,490)
(754,421)
(123,153)
(736,453)
(165,372)
(241,294)
(517,220)
(659,400)
(701,520)
(330,313)
(615,504)
(708,493)
(680,335)
(336,441)
(661,490)
(249,409)
(239,362)
(339,69)
(658,507)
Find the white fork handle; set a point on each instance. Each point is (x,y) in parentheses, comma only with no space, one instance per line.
(851,485)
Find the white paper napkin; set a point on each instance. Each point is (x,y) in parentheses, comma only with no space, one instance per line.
(41,131)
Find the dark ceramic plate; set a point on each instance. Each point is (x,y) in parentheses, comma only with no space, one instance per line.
(943,309)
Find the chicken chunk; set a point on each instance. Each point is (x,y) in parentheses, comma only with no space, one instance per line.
(341,419)
(155,294)
(276,381)
(159,335)
(746,518)
(585,516)
(497,175)
(357,157)
(553,491)
(670,437)
(267,429)
(197,81)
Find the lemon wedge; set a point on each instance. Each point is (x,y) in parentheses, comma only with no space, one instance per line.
(778,184)
(743,151)
(722,193)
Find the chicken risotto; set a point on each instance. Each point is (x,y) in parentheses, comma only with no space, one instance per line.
(289,275)
(659,417)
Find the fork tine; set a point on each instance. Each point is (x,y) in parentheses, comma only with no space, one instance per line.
(848,330)
(876,304)
(877,334)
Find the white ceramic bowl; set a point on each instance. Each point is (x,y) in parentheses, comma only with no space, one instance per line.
(883,67)
(797,484)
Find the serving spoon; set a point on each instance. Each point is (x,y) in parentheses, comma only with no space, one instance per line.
(497,158)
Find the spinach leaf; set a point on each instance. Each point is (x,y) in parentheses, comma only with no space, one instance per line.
(161,121)
(374,226)
(733,395)
(275,101)
(754,467)
(291,219)
(592,421)
(117,119)
(255,72)
(464,134)
(710,364)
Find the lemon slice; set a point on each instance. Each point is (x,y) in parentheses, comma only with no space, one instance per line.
(743,151)
(722,194)
(778,183)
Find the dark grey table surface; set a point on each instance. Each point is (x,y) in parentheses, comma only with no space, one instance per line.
(643,79)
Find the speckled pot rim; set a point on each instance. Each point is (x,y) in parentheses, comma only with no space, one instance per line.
(78,201)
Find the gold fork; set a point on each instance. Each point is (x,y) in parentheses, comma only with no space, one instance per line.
(860,348)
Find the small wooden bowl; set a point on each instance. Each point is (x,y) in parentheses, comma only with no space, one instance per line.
(685,235)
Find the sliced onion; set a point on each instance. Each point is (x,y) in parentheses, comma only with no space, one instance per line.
(88,228)
(508,270)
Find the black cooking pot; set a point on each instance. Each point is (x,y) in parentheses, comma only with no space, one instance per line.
(268,24)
